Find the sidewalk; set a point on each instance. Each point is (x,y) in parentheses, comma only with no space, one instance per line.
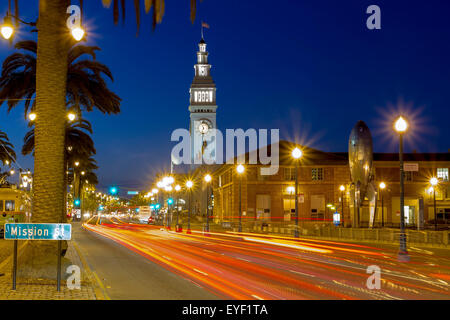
(42,289)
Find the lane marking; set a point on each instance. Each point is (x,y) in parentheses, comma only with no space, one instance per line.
(303,274)
(204,273)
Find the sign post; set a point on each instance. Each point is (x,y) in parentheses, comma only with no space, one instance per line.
(37,231)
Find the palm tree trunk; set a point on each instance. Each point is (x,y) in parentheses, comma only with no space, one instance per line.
(51,75)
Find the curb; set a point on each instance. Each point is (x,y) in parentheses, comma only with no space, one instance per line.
(10,257)
(99,289)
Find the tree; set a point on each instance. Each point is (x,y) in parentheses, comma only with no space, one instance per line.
(54,43)
(86,88)
(7,155)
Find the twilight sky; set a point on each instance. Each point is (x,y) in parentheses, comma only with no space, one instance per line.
(310,68)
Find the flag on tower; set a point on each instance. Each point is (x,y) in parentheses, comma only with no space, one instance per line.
(205,25)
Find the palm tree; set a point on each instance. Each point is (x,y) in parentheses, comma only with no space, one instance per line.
(7,155)
(86,88)
(78,143)
(53,47)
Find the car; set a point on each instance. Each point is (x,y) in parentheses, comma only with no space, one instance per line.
(151,220)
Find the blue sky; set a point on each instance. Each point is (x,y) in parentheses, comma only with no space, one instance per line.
(310,68)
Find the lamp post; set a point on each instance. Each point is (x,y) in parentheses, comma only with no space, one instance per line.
(240,170)
(400,127)
(169,209)
(296,154)
(207,180)
(382,187)
(434,182)
(177,189)
(189,185)
(342,189)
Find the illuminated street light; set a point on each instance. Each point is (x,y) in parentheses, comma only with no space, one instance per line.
(7,28)
(296,154)
(83,173)
(155,191)
(342,189)
(240,170)
(189,185)
(12,171)
(77,33)
(159,184)
(208,179)
(290,189)
(434,182)
(32,116)
(77,163)
(72,116)
(177,188)
(401,126)
(382,187)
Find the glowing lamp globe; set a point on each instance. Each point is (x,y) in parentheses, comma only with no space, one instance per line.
(297,153)
(401,125)
(77,33)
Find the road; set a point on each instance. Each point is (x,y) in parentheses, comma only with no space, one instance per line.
(147,262)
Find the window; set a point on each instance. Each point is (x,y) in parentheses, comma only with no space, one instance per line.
(408,175)
(289,174)
(442,173)
(1,205)
(317,174)
(10,205)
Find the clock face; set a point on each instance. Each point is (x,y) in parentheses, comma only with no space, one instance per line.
(203,128)
(202,71)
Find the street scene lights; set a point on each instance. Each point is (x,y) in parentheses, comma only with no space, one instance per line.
(77,33)
(32,116)
(189,185)
(7,28)
(71,116)
(208,179)
(296,154)
(434,182)
(401,126)
(240,170)
(342,189)
(382,187)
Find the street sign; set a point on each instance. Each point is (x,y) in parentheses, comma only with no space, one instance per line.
(336,218)
(133,192)
(414,167)
(38,231)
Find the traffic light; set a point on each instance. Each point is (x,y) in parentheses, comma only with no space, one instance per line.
(170,201)
(113,190)
(77,203)
(157,206)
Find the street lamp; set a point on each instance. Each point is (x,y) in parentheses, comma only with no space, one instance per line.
(168,189)
(7,28)
(400,127)
(71,116)
(296,154)
(207,180)
(32,116)
(382,187)
(240,170)
(177,189)
(189,185)
(434,182)
(342,189)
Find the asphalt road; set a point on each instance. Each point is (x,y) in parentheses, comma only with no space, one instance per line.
(127,275)
(147,262)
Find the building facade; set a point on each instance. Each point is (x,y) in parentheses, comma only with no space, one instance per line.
(320,175)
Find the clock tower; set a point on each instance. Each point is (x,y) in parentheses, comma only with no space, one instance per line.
(202,110)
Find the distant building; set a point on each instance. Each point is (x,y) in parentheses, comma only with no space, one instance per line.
(269,198)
